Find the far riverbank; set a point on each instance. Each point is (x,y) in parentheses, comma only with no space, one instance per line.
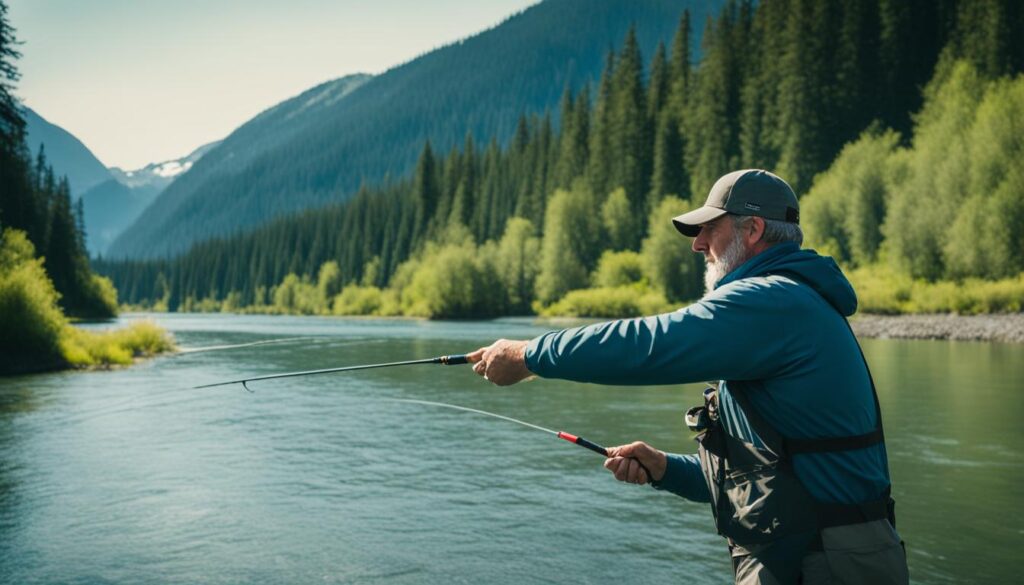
(1007,327)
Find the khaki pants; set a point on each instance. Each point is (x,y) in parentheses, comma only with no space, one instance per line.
(859,553)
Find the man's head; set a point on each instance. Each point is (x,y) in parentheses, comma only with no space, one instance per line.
(746,213)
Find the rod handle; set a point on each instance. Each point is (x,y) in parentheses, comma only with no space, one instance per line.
(453,360)
(598,449)
(583,443)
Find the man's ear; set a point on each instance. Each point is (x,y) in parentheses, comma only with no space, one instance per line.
(755,230)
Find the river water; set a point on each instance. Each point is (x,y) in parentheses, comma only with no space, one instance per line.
(130,476)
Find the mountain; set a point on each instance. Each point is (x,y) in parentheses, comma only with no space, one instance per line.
(109,208)
(319,147)
(65,153)
(161,174)
(113,205)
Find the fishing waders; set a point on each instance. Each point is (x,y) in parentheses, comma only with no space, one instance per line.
(777,532)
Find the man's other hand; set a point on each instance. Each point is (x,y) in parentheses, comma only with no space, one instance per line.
(502,362)
(624,462)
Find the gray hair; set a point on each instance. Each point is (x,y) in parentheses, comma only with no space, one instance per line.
(775,231)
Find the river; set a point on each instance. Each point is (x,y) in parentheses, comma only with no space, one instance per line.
(130,476)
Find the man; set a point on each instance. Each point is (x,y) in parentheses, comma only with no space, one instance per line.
(790,447)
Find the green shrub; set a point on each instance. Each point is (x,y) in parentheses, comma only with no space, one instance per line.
(609,303)
(618,269)
(452,282)
(30,319)
(299,296)
(571,241)
(37,335)
(117,347)
(669,264)
(880,289)
(366,300)
(517,261)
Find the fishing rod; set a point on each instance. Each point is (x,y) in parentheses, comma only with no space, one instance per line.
(586,444)
(447,360)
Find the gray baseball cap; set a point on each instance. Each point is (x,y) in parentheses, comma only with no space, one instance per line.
(748,192)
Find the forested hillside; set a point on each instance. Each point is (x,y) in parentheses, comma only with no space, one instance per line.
(479,86)
(784,86)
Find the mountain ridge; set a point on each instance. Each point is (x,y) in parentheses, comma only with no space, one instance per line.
(470,87)
(68,155)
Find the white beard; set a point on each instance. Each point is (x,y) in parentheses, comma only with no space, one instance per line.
(734,255)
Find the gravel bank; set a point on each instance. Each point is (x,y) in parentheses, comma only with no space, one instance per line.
(1007,328)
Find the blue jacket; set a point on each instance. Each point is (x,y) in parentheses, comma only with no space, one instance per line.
(756,325)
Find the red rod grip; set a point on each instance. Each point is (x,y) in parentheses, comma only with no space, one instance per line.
(568,437)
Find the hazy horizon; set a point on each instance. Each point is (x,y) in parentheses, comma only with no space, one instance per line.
(148,82)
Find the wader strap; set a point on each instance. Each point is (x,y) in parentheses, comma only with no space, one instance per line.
(794,446)
(842,514)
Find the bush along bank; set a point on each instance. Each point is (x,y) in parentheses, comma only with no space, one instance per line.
(38,337)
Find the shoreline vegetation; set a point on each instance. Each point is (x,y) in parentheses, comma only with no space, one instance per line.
(40,338)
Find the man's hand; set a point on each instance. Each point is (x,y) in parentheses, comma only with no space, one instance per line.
(624,462)
(503,362)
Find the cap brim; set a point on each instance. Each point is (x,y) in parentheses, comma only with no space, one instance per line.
(689,224)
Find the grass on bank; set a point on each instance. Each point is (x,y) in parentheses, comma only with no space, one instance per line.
(883,291)
(37,336)
(82,348)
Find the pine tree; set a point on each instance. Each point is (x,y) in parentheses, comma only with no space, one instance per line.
(668,175)
(600,160)
(573,138)
(12,123)
(630,145)
(658,86)
(426,193)
(710,124)
(680,68)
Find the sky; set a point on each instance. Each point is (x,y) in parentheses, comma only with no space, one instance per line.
(141,81)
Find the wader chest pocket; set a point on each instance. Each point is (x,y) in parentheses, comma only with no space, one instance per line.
(761,501)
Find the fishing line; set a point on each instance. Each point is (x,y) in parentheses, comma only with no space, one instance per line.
(186,350)
(586,444)
(467,409)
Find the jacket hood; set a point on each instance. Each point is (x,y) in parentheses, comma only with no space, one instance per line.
(807,266)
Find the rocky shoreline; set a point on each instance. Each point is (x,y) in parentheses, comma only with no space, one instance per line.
(1007,328)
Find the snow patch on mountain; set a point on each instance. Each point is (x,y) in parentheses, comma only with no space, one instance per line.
(162,173)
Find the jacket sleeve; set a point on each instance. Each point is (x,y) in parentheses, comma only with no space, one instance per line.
(742,331)
(684,478)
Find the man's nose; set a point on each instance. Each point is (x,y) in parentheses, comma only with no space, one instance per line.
(699,243)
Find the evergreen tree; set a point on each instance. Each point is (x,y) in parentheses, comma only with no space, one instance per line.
(710,123)
(426,193)
(573,139)
(658,86)
(629,142)
(600,160)
(668,174)
(680,67)
(12,123)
